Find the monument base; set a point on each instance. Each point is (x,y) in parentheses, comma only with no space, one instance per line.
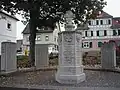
(70,75)
(2,72)
(70,79)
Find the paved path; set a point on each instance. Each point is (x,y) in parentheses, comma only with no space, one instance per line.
(95,80)
(60,88)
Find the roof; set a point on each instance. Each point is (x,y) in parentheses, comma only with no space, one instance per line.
(9,15)
(27,30)
(115,23)
(104,15)
(82,27)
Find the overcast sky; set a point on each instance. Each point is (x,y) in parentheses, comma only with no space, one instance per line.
(113,7)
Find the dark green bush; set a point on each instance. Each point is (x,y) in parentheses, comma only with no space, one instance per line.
(22,61)
(53,62)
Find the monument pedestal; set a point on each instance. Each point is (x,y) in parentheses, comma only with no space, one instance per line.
(70,70)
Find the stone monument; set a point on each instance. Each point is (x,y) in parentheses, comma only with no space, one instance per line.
(70,69)
(108,56)
(41,56)
(8,57)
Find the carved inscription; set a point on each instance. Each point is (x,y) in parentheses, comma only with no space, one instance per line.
(69,60)
(72,70)
(69,48)
(69,54)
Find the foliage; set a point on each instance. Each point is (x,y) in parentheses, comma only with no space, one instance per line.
(53,62)
(22,61)
(49,12)
(92,60)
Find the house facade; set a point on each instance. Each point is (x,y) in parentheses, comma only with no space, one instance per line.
(8,28)
(101,30)
(45,36)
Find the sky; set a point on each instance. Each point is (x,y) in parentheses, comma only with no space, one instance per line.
(112,8)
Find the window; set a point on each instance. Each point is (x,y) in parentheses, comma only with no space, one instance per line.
(53,49)
(105,33)
(57,48)
(9,26)
(97,33)
(90,44)
(55,39)
(101,22)
(101,33)
(46,38)
(62,25)
(109,21)
(100,44)
(118,31)
(87,44)
(82,45)
(89,22)
(85,33)
(38,38)
(97,22)
(27,38)
(91,33)
(114,33)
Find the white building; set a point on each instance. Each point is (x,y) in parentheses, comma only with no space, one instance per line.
(8,28)
(43,36)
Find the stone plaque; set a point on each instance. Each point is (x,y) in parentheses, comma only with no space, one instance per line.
(69,60)
(69,48)
(68,39)
(69,54)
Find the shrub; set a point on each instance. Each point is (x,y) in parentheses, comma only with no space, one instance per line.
(22,61)
(53,62)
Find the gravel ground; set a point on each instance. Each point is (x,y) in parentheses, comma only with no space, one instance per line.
(93,79)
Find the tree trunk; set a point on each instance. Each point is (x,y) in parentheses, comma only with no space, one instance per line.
(32,37)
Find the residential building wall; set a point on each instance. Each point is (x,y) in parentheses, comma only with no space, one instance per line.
(51,39)
(7,34)
(106,33)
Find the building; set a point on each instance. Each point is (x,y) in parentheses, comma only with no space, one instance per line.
(101,30)
(45,36)
(20,47)
(7,28)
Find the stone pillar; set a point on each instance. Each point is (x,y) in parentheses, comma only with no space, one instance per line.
(70,69)
(41,56)
(108,56)
(8,57)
